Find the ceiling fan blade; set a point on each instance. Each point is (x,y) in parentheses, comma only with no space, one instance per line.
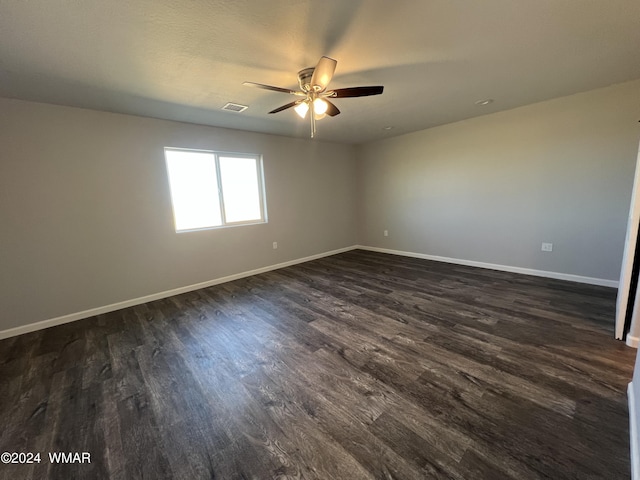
(269,87)
(284,107)
(323,73)
(332,110)
(357,92)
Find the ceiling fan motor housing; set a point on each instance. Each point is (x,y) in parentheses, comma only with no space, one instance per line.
(304,78)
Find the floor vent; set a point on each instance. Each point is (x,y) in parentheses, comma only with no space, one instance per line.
(235,107)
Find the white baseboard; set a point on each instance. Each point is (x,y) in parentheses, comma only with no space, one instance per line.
(632,341)
(72,317)
(504,268)
(189,288)
(633,434)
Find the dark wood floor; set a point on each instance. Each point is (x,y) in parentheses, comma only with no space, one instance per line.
(356,366)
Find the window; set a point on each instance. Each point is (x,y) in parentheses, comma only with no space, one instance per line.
(211,189)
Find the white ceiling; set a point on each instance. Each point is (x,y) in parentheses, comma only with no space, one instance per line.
(183,60)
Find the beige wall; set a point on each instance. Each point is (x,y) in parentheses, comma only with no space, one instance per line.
(87,220)
(493,188)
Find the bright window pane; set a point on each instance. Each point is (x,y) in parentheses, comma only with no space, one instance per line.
(194,189)
(240,189)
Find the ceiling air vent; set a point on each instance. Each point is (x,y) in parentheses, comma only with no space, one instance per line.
(235,107)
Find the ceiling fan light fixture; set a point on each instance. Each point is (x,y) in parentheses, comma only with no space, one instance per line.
(313,82)
(320,107)
(302,108)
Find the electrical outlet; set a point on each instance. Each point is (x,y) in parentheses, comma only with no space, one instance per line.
(547,247)
(275,245)
(386,233)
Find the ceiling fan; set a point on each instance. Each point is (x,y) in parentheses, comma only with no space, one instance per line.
(313,92)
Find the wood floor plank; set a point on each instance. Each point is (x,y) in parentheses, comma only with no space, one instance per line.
(260,446)
(360,365)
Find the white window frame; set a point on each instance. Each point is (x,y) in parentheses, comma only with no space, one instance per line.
(217,155)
